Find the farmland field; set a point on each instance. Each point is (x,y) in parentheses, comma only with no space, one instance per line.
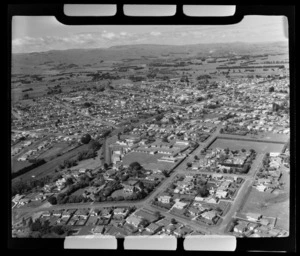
(259,147)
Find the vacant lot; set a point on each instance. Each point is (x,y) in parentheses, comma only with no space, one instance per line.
(270,205)
(259,147)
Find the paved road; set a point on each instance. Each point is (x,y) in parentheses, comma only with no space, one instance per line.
(163,186)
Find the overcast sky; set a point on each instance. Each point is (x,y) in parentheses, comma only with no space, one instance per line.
(44,33)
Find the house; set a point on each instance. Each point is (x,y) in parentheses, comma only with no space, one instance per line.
(24,201)
(253,216)
(68,213)
(240,228)
(212,200)
(106,213)
(57,213)
(209,215)
(252,226)
(179,205)
(83,213)
(153,228)
(134,220)
(193,211)
(180,232)
(95,212)
(261,187)
(171,228)
(261,229)
(221,193)
(98,229)
(121,212)
(264,222)
(128,189)
(17,198)
(264,181)
(165,199)
(199,198)
(82,170)
(46,214)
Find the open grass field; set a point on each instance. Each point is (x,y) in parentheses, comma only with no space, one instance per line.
(148,161)
(54,150)
(259,147)
(18,165)
(270,205)
(119,192)
(50,166)
(88,164)
(141,158)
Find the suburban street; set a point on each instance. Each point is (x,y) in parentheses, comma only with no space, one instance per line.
(146,203)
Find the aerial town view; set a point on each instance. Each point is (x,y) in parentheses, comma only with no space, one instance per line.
(148,130)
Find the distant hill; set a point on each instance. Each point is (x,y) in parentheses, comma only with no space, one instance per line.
(78,58)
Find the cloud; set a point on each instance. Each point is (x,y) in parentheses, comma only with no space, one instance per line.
(155,33)
(109,35)
(173,35)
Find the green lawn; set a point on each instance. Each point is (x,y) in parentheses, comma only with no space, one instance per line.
(270,205)
(259,147)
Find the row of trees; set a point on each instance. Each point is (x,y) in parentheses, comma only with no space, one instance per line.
(21,187)
(39,229)
(28,168)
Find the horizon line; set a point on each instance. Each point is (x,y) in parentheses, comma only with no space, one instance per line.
(105,48)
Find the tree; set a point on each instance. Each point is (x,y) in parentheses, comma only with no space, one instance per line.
(85,139)
(52,200)
(165,139)
(36,225)
(203,191)
(189,164)
(271,89)
(173,221)
(87,104)
(69,181)
(30,222)
(165,173)
(59,230)
(157,214)
(144,222)
(135,166)
(94,145)
(196,157)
